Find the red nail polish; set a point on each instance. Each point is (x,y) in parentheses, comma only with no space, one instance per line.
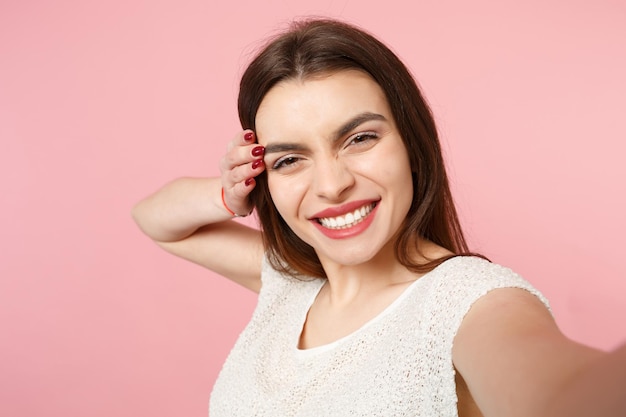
(248,137)
(258,151)
(257,163)
(249,181)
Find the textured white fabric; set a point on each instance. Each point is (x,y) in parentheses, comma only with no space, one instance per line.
(397,364)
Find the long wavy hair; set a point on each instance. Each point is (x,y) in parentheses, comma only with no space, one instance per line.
(323,46)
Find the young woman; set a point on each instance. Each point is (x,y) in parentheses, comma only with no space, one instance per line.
(370,303)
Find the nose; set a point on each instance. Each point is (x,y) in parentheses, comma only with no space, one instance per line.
(332,179)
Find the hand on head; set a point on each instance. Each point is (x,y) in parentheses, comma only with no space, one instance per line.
(239,166)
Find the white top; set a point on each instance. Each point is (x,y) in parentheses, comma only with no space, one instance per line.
(397,364)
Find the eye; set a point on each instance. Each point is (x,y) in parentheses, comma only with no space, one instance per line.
(285,162)
(362,138)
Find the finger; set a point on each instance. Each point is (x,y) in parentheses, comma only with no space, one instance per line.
(242,189)
(242,172)
(245,137)
(237,198)
(241,155)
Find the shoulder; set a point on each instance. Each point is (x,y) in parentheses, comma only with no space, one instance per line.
(471,282)
(471,276)
(458,284)
(476,268)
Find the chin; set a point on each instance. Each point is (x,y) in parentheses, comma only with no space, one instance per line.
(350,257)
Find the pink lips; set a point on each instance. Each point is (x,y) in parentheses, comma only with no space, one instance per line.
(342,210)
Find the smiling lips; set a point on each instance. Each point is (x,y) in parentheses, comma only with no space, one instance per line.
(348,220)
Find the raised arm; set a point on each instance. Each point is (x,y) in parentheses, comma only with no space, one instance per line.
(192,217)
(599,390)
(516,362)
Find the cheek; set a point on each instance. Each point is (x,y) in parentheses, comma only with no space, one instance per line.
(395,174)
(286,193)
(387,169)
(277,196)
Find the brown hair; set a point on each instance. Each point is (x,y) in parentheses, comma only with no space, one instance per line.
(322,46)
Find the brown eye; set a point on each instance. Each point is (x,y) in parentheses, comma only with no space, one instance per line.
(285,162)
(361,138)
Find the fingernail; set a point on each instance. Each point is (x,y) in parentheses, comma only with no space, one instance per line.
(249,181)
(258,151)
(248,137)
(257,163)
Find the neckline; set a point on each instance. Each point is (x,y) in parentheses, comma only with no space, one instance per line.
(386,311)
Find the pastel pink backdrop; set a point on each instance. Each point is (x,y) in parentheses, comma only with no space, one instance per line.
(102,102)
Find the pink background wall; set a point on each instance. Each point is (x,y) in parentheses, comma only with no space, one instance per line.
(102,102)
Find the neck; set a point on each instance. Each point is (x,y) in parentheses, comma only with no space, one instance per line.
(348,282)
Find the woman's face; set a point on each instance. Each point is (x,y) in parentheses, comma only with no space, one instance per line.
(338,171)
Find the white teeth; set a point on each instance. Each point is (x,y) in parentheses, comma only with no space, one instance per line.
(348,220)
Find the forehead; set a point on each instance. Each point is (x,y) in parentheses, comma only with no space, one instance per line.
(320,102)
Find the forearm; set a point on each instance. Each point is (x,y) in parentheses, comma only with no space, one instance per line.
(598,391)
(179,208)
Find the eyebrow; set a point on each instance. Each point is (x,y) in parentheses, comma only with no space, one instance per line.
(343,130)
(355,122)
(283,147)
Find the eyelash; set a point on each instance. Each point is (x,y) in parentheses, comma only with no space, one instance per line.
(355,140)
(361,137)
(285,161)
